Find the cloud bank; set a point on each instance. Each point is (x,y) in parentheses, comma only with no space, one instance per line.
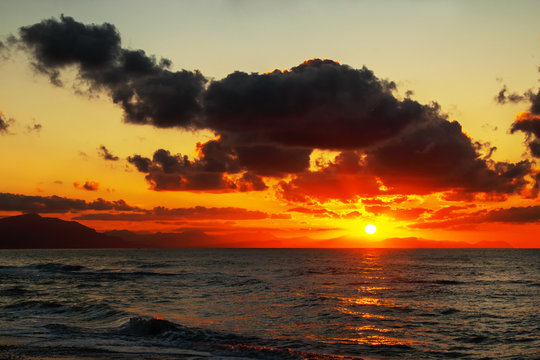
(101,209)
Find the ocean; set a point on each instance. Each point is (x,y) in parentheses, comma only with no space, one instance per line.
(270,304)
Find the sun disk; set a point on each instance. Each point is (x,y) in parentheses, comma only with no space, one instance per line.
(370,229)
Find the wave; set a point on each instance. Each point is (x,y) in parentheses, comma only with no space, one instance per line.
(214,342)
(422,281)
(88,312)
(79,270)
(46,267)
(58,267)
(34,304)
(14,291)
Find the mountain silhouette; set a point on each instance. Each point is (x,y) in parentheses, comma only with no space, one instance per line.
(31,231)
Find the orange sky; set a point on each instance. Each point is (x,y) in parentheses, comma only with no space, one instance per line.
(96,130)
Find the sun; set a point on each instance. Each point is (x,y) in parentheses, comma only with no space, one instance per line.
(370,229)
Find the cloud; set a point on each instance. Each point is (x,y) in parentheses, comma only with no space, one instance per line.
(456,219)
(520,215)
(317,212)
(3,50)
(34,128)
(57,204)
(141,163)
(268,124)
(106,154)
(194,213)
(343,179)
(176,172)
(88,185)
(271,160)
(536,187)
(124,211)
(535,103)
(435,158)
(5,47)
(317,104)
(210,172)
(440,157)
(145,89)
(399,213)
(379,201)
(450,211)
(503,98)
(529,123)
(5,123)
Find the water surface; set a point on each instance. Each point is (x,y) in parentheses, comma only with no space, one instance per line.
(271,303)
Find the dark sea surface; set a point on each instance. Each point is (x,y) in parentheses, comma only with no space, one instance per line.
(270,304)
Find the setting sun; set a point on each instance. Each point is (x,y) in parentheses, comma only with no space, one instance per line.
(317,198)
(370,229)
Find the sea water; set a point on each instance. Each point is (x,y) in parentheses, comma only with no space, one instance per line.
(270,304)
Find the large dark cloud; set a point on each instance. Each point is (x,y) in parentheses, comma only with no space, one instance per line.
(267,125)
(147,91)
(318,104)
(270,123)
(270,160)
(435,157)
(57,204)
(440,157)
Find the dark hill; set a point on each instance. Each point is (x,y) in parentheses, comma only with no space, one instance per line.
(31,231)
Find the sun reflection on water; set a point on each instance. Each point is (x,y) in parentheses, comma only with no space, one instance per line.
(375,340)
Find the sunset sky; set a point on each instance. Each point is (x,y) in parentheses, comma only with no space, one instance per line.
(301,121)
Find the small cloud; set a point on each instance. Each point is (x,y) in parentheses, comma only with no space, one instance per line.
(34,127)
(504,97)
(5,46)
(3,51)
(88,185)
(58,182)
(106,154)
(487,126)
(5,123)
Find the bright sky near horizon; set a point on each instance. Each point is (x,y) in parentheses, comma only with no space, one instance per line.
(254,170)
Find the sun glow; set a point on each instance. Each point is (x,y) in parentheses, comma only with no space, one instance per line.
(370,229)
